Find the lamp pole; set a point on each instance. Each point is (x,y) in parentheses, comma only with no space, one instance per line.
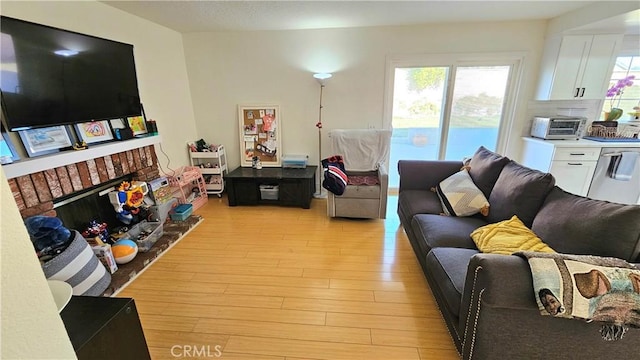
(321,77)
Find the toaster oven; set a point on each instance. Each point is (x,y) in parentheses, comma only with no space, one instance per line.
(558,127)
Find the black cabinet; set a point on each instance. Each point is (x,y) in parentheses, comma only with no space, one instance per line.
(104,328)
(295,187)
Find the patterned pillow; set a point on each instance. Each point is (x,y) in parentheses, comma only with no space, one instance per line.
(460,196)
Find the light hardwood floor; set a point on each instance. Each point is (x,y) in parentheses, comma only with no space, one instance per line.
(276,283)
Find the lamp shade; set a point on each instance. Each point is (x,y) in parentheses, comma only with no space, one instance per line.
(321,77)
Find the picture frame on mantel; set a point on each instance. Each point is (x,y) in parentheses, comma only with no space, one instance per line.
(137,124)
(94,131)
(8,153)
(260,128)
(42,141)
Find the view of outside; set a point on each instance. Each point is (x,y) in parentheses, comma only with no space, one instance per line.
(418,104)
(630,97)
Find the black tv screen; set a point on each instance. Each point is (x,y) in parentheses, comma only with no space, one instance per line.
(52,77)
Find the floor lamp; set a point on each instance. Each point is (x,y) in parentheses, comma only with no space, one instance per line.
(321,77)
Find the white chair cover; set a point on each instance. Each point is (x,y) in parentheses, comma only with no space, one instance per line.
(361,149)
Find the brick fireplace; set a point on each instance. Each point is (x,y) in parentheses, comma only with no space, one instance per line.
(35,193)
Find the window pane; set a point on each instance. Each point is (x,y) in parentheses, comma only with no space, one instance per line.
(478,100)
(630,96)
(418,99)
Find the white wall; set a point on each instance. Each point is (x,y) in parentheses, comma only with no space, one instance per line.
(31,327)
(159,55)
(230,68)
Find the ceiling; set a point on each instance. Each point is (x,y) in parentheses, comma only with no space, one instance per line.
(208,16)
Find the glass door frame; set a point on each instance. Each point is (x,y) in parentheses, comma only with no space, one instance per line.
(453,61)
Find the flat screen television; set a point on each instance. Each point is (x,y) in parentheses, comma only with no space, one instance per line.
(50,76)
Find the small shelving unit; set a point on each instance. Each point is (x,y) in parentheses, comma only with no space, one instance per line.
(189,186)
(212,166)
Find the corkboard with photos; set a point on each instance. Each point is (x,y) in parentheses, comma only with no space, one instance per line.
(260,134)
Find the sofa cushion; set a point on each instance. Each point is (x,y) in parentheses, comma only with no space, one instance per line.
(507,237)
(577,225)
(460,196)
(412,202)
(448,270)
(519,191)
(434,231)
(485,167)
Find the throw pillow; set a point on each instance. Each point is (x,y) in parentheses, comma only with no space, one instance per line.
(519,191)
(485,167)
(460,196)
(574,224)
(507,237)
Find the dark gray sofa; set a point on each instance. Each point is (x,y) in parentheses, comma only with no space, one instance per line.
(487,300)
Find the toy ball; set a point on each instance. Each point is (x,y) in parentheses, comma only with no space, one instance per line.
(124,250)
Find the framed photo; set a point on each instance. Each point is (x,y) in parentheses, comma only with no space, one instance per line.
(260,134)
(137,124)
(8,153)
(117,123)
(47,140)
(94,131)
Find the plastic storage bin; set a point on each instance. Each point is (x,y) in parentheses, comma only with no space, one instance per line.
(269,192)
(181,212)
(153,231)
(161,212)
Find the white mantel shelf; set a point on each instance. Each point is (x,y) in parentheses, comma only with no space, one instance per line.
(46,162)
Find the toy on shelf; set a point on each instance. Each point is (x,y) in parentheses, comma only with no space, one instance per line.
(124,251)
(127,199)
(96,229)
(202,146)
(189,186)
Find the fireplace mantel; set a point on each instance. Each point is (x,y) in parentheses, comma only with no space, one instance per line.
(42,163)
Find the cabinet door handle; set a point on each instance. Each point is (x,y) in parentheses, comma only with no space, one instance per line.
(576,154)
(575,164)
(582,93)
(577,92)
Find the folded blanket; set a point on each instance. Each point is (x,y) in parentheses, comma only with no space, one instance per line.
(587,287)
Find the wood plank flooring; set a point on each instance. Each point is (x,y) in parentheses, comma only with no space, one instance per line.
(276,283)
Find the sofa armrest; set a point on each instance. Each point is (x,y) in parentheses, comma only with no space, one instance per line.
(425,174)
(506,281)
(498,303)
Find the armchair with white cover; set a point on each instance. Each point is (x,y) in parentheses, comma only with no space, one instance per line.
(365,153)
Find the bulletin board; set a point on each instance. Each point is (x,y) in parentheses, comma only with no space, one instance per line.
(260,134)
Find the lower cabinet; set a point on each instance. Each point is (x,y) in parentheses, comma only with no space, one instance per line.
(570,164)
(573,176)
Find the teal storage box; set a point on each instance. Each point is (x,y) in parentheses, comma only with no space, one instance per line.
(181,212)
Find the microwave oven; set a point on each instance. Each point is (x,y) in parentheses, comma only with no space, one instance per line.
(558,127)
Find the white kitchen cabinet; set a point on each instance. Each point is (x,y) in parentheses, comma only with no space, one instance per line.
(578,66)
(572,166)
(573,176)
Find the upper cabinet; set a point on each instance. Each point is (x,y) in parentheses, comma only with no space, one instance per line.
(578,66)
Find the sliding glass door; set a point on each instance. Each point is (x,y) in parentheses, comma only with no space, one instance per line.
(446,112)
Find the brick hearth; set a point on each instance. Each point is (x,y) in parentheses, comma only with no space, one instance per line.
(36,193)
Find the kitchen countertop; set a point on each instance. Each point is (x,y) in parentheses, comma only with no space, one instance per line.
(583,143)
